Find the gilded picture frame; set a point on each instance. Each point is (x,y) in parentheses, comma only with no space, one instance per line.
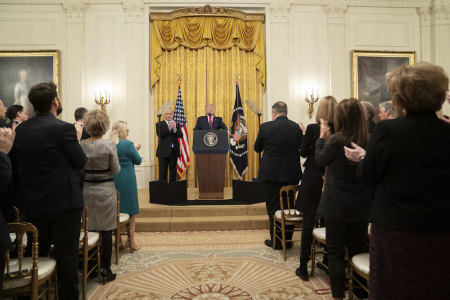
(20,70)
(369,70)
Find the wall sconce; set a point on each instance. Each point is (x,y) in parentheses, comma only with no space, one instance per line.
(102,98)
(313,98)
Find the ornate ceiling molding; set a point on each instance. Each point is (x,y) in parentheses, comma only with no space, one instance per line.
(205,11)
(280,8)
(74,10)
(425,14)
(134,10)
(441,12)
(336,14)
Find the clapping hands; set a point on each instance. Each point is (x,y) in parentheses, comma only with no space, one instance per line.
(324,129)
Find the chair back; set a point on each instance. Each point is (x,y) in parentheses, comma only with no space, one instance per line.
(118,208)
(85,225)
(20,230)
(288,199)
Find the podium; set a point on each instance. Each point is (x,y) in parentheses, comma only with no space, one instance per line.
(210,148)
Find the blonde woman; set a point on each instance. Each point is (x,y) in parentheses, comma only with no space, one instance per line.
(99,192)
(125,181)
(312,180)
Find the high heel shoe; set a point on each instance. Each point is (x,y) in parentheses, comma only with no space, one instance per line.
(107,275)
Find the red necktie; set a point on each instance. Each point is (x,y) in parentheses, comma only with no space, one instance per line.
(210,123)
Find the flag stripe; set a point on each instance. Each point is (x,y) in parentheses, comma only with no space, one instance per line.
(179,117)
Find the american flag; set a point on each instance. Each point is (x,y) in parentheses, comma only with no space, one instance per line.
(184,159)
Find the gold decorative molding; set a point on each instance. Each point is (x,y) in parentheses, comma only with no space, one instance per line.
(206,11)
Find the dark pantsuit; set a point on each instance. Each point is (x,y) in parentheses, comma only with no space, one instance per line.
(306,241)
(106,253)
(170,162)
(339,235)
(63,231)
(272,198)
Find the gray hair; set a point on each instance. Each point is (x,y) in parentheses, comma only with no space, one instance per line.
(369,109)
(280,108)
(389,106)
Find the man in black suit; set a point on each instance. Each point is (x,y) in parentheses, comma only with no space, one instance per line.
(6,141)
(210,122)
(168,147)
(79,118)
(48,156)
(280,165)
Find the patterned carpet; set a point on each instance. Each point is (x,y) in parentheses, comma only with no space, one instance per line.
(208,265)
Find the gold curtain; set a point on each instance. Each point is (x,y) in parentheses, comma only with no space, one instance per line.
(208,76)
(219,33)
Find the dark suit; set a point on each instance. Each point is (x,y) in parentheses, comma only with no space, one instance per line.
(168,150)
(280,165)
(408,165)
(203,124)
(310,189)
(5,179)
(344,205)
(48,157)
(411,175)
(85,135)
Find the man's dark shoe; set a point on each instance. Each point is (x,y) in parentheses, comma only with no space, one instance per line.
(269,243)
(322,267)
(302,272)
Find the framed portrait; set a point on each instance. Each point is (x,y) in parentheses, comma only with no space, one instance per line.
(20,70)
(369,70)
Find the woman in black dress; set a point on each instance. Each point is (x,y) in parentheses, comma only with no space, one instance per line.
(312,180)
(408,165)
(345,200)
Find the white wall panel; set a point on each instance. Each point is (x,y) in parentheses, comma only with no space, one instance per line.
(23,31)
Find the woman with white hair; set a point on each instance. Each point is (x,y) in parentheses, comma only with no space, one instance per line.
(125,181)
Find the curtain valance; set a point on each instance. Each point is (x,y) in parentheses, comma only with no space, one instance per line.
(219,33)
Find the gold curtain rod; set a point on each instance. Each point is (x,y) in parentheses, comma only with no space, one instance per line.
(206,11)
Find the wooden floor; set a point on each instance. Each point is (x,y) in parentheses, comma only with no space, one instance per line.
(158,217)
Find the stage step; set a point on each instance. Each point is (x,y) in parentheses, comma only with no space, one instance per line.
(202,223)
(162,218)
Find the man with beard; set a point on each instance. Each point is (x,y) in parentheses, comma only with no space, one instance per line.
(48,156)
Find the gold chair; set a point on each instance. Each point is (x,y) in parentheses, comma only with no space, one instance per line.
(24,275)
(89,242)
(289,216)
(359,264)
(319,241)
(123,228)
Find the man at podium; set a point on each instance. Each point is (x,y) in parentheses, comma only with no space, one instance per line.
(210,122)
(168,147)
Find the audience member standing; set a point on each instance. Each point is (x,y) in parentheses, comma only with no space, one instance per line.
(168,146)
(48,156)
(280,139)
(386,111)
(411,176)
(312,180)
(125,181)
(369,114)
(345,200)
(16,114)
(6,141)
(3,109)
(79,118)
(99,191)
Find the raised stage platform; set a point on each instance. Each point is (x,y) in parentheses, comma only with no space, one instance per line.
(159,217)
